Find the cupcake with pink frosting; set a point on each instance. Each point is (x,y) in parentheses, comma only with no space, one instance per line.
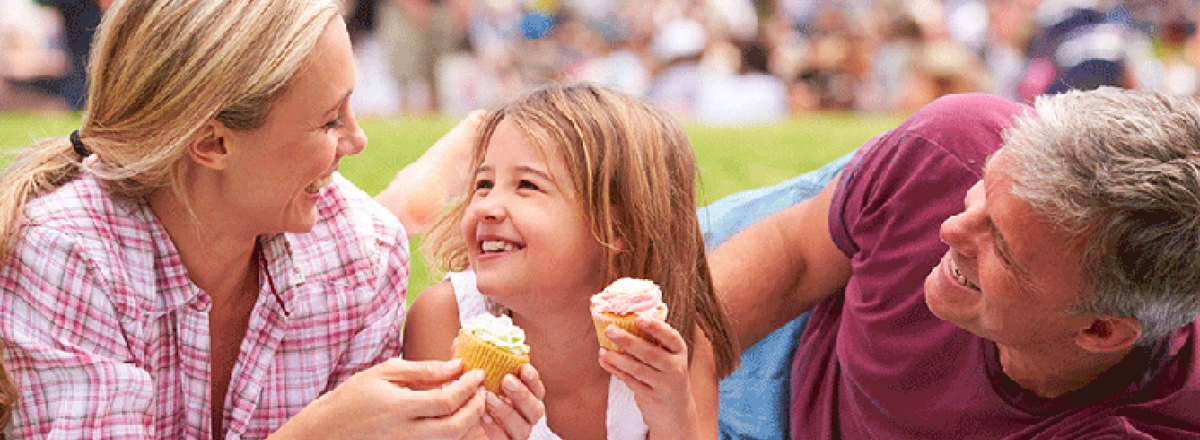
(622,302)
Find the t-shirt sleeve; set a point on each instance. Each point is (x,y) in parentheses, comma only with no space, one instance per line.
(898,189)
(65,346)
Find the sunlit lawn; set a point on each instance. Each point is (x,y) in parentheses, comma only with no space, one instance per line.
(730,158)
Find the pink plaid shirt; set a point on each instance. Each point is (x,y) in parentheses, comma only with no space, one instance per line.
(108,338)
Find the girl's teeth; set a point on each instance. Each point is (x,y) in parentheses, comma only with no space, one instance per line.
(496,246)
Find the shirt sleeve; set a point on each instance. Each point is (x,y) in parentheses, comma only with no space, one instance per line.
(65,345)
(380,337)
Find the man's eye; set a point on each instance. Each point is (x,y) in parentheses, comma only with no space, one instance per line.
(334,124)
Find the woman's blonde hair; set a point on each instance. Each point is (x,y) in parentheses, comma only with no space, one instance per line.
(159,71)
(634,173)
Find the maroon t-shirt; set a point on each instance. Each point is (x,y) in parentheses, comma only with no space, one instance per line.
(877,364)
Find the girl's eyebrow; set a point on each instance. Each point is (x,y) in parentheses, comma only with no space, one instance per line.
(538,172)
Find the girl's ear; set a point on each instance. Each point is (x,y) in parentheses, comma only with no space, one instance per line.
(620,245)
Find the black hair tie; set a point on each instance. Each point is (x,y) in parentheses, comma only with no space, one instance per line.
(77,144)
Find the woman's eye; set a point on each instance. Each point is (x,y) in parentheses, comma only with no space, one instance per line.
(483,184)
(334,124)
(525,184)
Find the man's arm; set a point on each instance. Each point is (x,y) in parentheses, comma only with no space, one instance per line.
(780,267)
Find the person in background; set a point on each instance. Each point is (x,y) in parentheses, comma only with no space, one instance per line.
(80,18)
(164,274)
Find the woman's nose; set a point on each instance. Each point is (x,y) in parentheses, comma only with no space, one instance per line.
(355,140)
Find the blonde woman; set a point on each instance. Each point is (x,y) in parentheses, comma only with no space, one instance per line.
(189,263)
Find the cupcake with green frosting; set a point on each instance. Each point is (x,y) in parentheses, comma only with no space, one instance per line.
(492,344)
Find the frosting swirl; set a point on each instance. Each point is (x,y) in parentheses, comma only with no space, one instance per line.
(498,331)
(630,296)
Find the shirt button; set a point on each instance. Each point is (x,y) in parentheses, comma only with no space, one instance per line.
(202,304)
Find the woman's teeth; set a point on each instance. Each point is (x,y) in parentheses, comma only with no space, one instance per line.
(316,185)
(497,246)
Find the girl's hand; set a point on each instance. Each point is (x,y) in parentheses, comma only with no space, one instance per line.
(657,374)
(513,415)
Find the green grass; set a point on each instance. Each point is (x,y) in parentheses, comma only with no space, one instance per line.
(730,158)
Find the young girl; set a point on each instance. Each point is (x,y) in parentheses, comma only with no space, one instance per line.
(574,187)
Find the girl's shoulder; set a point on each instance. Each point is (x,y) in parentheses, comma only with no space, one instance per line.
(432,323)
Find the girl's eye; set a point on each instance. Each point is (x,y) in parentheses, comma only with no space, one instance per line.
(483,184)
(334,124)
(525,184)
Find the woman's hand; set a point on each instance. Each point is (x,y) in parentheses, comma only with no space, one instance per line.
(513,415)
(396,399)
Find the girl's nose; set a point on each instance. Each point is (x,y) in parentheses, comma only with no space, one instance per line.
(490,207)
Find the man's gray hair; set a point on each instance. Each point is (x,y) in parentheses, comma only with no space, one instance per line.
(1119,170)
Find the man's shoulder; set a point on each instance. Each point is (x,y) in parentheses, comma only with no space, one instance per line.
(964,128)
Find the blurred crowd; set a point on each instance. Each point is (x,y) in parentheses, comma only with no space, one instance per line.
(719,61)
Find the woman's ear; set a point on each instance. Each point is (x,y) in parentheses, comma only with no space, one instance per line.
(207,148)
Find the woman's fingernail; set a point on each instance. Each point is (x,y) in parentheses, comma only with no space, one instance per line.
(452,366)
(492,400)
(510,383)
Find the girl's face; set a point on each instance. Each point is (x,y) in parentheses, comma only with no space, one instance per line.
(277,173)
(527,237)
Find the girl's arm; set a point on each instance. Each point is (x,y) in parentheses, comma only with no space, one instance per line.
(432,324)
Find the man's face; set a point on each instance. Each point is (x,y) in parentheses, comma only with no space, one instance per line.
(1009,276)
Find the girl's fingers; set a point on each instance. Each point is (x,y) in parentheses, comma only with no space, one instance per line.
(635,384)
(509,419)
(643,351)
(667,336)
(533,381)
(523,399)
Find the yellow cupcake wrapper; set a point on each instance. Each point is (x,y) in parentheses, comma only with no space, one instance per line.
(625,322)
(477,354)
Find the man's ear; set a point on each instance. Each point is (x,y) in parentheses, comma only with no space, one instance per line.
(1109,334)
(207,148)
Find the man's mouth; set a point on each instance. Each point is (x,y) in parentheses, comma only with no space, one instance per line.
(962,279)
